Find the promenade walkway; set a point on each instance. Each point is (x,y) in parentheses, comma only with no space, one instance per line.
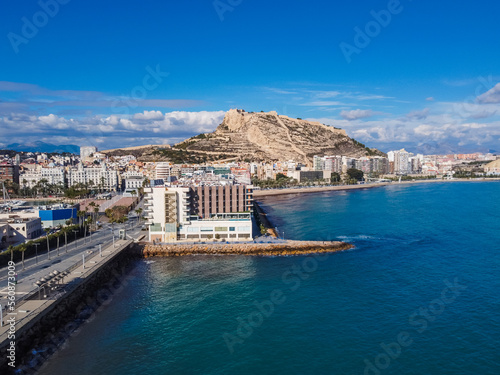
(38,299)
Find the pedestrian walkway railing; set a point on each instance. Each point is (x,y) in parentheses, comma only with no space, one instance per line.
(58,291)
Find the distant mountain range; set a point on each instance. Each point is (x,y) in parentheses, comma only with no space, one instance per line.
(39,146)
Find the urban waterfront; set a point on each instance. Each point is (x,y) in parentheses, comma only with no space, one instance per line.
(418,294)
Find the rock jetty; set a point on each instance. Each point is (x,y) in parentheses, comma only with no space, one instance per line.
(261,249)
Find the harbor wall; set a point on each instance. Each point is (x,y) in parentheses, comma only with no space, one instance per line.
(37,340)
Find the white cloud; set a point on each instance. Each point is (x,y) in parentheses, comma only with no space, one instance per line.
(323,103)
(418,115)
(149,115)
(111,131)
(357,114)
(490,96)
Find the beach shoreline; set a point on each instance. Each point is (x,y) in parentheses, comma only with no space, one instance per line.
(317,189)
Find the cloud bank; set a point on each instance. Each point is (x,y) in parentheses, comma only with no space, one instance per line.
(148,127)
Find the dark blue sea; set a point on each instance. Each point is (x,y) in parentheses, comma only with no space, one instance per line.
(419,294)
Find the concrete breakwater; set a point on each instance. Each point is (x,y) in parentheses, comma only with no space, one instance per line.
(262,249)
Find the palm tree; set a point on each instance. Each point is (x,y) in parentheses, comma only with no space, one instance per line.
(80,215)
(23,248)
(65,231)
(89,227)
(96,211)
(11,249)
(85,224)
(109,213)
(138,212)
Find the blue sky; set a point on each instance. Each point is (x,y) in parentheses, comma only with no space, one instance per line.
(119,73)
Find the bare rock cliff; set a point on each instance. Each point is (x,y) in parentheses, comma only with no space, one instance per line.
(267,136)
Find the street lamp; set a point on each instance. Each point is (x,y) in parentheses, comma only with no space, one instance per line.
(76,243)
(36,252)
(112,231)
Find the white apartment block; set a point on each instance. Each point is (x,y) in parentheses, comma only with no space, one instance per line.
(166,209)
(133,179)
(134,182)
(162,171)
(401,159)
(53,176)
(100,177)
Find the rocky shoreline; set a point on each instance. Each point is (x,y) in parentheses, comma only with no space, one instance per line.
(254,249)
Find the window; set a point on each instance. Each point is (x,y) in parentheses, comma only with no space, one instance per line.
(232,229)
(244,229)
(207,229)
(221,229)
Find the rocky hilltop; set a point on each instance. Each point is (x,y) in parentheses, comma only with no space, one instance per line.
(267,136)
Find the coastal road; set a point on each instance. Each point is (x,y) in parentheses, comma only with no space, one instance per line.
(34,271)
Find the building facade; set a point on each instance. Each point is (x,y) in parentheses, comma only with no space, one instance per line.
(54,216)
(53,176)
(197,213)
(99,178)
(19,228)
(9,172)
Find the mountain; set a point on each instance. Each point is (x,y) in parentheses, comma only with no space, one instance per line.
(267,136)
(39,146)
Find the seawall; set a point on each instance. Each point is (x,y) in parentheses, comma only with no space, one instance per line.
(59,316)
(261,217)
(260,249)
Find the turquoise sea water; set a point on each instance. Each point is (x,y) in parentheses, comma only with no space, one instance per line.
(423,282)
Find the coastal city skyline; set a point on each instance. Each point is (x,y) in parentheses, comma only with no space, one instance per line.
(383,96)
(249,187)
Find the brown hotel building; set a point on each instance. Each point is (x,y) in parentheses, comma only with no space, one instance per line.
(208,200)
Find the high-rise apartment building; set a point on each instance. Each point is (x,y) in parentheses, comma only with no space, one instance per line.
(197,213)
